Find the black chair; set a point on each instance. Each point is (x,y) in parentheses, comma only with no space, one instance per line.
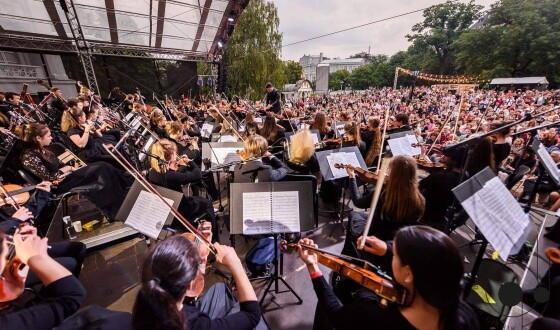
(313,179)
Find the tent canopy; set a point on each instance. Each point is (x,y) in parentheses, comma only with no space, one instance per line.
(165,28)
(520,81)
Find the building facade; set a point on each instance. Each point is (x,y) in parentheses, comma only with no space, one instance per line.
(348,64)
(18,68)
(301,89)
(309,64)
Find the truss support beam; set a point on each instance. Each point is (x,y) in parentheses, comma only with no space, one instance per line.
(82,46)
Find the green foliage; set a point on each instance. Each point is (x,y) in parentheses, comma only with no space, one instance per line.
(294,71)
(442,25)
(339,79)
(520,38)
(252,53)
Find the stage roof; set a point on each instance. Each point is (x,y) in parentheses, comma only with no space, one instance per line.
(167,29)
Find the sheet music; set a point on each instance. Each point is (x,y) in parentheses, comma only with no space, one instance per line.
(148,214)
(270,212)
(225,155)
(313,135)
(257,213)
(227,138)
(498,216)
(548,162)
(340,129)
(345,158)
(285,211)
(403,146)
(206,130)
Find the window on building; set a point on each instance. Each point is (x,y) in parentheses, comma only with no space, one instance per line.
(8,57)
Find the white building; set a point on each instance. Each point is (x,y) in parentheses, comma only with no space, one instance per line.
(301,89)
(309,64)
(348,64)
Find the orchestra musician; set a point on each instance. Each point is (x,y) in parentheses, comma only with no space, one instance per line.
(11,104)
(128,104)
(352,137)
(175,173)
(56,106)
(169,278)
(320,124)
(262,165)
(400,124)
(157,123)
(372,138)
(62,293)
(302,155)
(39,161)
(425,262)
(271,131)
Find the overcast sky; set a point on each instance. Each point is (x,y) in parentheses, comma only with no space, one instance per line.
(302,19)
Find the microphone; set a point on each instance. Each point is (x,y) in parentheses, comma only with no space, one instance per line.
(125,136)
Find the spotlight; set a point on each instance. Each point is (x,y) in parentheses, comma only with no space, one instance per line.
(221,42)
(232,16)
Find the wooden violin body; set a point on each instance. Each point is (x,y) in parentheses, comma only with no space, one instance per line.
(12,282)
(380,285)
(16,194)
(553,254)
(367,176)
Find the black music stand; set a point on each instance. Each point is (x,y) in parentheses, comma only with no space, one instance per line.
(240,224)
(341,182)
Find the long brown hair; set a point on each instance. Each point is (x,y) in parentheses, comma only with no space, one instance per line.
(320,123)
(373,151)
(403,201)
(70,119)
(481,155)
(27,133)
(269,129)
(352,132)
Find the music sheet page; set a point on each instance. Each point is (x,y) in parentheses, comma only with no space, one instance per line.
(345,158)
(257,213)
(498,216)
(206,130)
(148,214)
(285,211)
(224,155)
(403,146)
(548,162)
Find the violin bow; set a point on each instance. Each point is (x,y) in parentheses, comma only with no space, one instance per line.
(449,113)
(374,200)
(130,169)
(459,112)
(387,112)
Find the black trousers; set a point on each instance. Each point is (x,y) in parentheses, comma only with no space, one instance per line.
(69,254)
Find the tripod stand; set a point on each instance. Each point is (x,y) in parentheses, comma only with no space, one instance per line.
(276,276)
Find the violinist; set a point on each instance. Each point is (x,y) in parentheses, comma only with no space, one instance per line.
(157,123)
(263,165)
(128,104)
(352,137)
(69,254)
(271,131)
(43,164)
(426,263)
(302,155)
(400,124)
(174,172)
(63,294)
(500,146)
(372,138)
(169,278)
(287,121)
(320,124)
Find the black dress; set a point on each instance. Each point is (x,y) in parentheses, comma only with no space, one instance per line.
(102,184)
(93,151)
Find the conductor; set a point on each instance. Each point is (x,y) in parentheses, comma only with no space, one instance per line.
(272,99)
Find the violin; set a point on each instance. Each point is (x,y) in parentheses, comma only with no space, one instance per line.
(374,279)
(203,252)
(365,175)
(11,194)
(332,142)
(242,154)
(13,277)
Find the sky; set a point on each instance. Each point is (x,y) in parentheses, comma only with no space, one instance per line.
(303,19)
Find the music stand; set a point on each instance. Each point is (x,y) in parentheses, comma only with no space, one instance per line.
(248,199)
(341,181)
(151,224)
(338,128)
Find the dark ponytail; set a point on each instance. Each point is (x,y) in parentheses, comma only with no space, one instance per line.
(437,268)
(156,309)
(168,270)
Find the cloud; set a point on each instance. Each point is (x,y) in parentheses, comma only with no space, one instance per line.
(303,19)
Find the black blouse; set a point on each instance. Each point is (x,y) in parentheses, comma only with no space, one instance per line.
(176,179)
(42,164)
(78,131)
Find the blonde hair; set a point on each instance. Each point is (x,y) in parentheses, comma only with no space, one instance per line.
(165,150)
(174,128)
(70,119)
(255,146)
(301,147)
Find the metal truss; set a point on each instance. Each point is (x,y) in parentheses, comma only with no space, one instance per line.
(81,45)
(30,43)
(147,52)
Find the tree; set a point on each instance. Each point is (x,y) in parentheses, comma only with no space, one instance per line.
(519,38)
(252,52)
(294,71)
(442,25)
(362,77)
(339,79)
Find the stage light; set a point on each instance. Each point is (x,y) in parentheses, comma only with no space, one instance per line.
(221,42)
(232,16)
